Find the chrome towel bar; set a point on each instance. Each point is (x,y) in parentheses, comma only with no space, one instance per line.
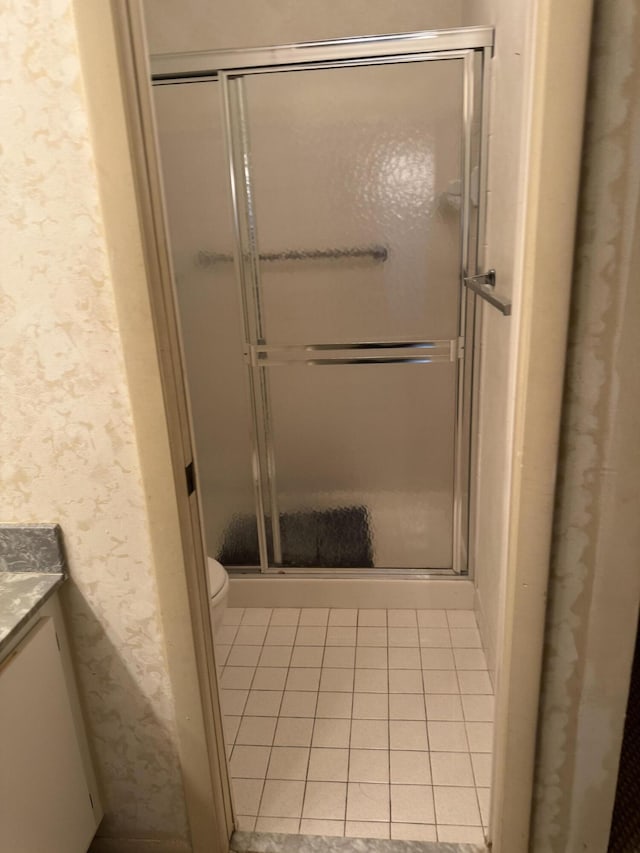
(378,254)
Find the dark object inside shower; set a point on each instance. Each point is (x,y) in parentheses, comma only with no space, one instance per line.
(332,538)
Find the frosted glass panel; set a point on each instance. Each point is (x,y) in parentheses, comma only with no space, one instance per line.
(364,457)
(367,161)
(195,181)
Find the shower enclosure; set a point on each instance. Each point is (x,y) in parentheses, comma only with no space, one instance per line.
(325,203)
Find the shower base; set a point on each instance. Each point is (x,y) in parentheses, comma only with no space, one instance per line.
(427,593)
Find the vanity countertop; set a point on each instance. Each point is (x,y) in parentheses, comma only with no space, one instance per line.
(32,567)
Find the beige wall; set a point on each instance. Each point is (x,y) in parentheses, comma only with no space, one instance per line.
(214,25)
(595,582)
(68,448)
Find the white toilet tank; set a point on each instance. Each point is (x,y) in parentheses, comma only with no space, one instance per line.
(218,591)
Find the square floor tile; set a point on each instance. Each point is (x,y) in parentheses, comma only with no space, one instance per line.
(402,618)
(457,806)
(340,636)
(432,618)
(405,681)
(256,731)
(334,705)
(230,726)
(226,634)
(293,731)
(280,635)
(461,619)
(263,703)
(406,706)
(370,706)
(371,681)
(247,793)
(477,682)
(232,615)
(408,734)
(336,680)
(237,677)
(447,737)
(460,834)
(435,638)
(314,826)
(451,768)
(285,616)
(404,658)
(480,737)
(465,638)
(328,765)
(221,654)
(372,618)
(314,616)
(233,701)
(437,658)
(372,637)
(371,657)
(307,656)
(478,709)
(403,637)
(343,617)
(298,703)
(443,706)
(256,616)
(440,681)
(368,765)
(367,801)
(311,636)
(412,804)
(482,762)
(278,656)
(245,823)
(288,762)
(410,767)
(369,734)
(303,678)
(340,657)
(249,762)
(333,733)
(325,800)
(413,832)
(367,829)
(243,656)
(286,825)
(469,659)
(251,635)
(282,798)
(484,801)
(269,678)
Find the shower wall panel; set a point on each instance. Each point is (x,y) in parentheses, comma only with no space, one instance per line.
(191,136)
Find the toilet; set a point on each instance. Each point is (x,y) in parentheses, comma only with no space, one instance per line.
(218,592)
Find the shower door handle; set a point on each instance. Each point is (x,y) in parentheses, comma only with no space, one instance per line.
(482,285)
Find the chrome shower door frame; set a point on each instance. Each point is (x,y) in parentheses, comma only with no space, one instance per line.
(230,68)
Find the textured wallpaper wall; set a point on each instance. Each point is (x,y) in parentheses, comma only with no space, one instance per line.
(67,446)
(595,583)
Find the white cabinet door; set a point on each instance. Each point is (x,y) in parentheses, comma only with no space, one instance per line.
(44,798)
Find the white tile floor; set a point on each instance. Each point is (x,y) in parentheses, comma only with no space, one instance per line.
(366,723)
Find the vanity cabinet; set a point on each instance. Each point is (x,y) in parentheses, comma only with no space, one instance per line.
(48,796)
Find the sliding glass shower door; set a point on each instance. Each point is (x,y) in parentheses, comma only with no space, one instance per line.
(332,295)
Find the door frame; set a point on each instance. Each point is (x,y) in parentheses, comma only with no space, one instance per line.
(112,40)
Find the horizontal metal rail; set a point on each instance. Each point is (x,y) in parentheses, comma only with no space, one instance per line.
(206,63)
(378,352)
